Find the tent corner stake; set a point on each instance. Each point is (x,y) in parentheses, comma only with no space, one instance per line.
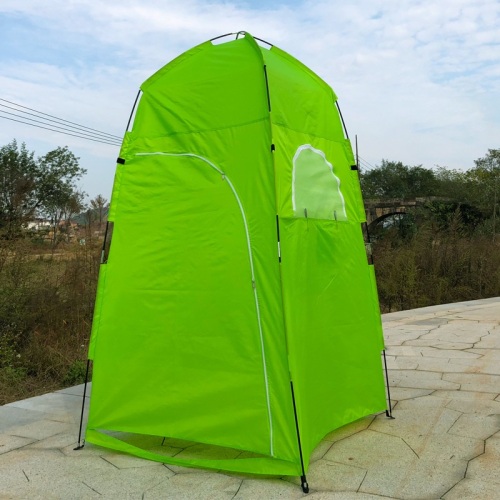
(81,443)
(388,412)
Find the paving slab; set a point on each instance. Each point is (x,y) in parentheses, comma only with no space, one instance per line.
(9,443)
(268,489)
(403,393)
(394,469)
(327,475)
(473,489)
(196,487)
(349,430)
(476,426)
(56,406)
(403,362)
(468,395)
(475,382)
(444,369)
(478,406)
(15,417)
(420,380)
(39,430)
(56,441)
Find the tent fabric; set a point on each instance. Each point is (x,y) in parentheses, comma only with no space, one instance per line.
(237,267)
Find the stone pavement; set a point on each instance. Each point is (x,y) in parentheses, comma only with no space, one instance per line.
(444,369)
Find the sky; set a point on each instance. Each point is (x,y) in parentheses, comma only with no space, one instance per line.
(417,81)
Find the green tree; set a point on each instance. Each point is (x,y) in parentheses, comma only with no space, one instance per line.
(18,173)
(484,180)
(396,180)
(57,191)
(28,187)
(453,185)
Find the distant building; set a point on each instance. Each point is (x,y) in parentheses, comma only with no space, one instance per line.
(38,225)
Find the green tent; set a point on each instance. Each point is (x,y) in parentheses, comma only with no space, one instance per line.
(236,306)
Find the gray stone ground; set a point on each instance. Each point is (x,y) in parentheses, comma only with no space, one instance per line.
(444,369)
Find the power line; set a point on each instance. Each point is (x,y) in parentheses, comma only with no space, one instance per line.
(58,131)
(66,127)
(366,163)
(72,124)
(363,164)
(82,134)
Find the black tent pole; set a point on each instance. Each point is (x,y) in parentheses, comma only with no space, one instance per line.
(81,443)
(104,259)
(133,109)
(303,479)
(344,127)
(388,412)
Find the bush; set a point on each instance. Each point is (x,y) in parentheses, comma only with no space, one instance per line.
(436,266)
(46,308)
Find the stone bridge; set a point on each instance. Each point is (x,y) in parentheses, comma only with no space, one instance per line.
(379,209)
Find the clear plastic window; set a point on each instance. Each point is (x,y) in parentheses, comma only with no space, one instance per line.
(316,189)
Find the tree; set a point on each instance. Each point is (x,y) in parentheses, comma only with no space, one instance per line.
(486,179)
(28,187)
(99,206)
(396,180)
(453,185)
(57,191)
(18,173)
(71,206)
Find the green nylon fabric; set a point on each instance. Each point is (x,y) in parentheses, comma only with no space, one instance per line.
(198,328)
(330,304)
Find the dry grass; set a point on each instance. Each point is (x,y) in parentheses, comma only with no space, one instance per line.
(435,267)
(46,307)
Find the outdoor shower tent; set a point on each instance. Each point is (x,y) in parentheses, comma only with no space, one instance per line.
(236,306)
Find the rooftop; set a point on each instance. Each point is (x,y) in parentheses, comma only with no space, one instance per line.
(444,372)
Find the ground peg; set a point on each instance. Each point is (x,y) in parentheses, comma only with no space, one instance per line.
(305,486)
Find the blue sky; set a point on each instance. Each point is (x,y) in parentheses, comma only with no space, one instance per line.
(418,81)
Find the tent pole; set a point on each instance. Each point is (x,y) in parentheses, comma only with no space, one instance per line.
(388,412)
(303,479)
(81,443)
(133,110)
(342,120)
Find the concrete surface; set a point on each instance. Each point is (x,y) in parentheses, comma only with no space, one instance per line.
(444,370)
